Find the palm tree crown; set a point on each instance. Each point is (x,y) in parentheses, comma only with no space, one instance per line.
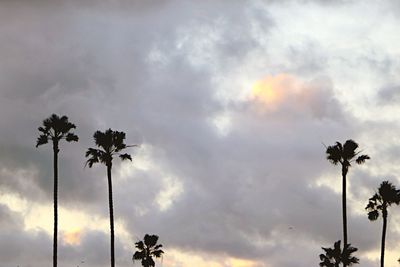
(345,154)
(111,143)
(386,196)
(56,128)
(147,250)
(334,256)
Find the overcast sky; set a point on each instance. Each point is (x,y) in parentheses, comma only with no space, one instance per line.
(231,103)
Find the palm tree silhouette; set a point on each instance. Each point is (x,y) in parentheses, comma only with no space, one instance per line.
(55,129)
(147,250)
(386,196)
(334,256)
(110,143)
(345,155)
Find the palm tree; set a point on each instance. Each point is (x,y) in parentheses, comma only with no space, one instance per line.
(147,250)
(386,196)
(334,256)
(345,155)
(111,143)
(55,129)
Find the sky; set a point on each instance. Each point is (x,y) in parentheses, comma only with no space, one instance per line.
(231,104)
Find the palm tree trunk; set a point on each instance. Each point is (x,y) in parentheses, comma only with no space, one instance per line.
(344,210)
(110,203)
(55,201)
(383,235)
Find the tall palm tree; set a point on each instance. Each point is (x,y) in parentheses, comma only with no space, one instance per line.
(147,250)
(111,143)
(345,155)
(55,129)
(386,196)
(334,256)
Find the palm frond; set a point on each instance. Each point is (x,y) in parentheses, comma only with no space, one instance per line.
(148,262)
(139,255)
(150,240)
(158,247)
(90,162)
(93,156)
(49,122)
(41,140)
(43,130)
(103,140)
(65,126)
(349,149)
(118,141)
(339,146)
(370,206)
(333,154)
(346,258)
(373,215)
(331,256)
(389,194)
(71,137)
(139,245)
(157,253)
(125,156)
(361,159)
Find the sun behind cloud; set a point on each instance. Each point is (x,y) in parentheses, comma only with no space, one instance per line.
(72,238)
(264,91)
(272,90)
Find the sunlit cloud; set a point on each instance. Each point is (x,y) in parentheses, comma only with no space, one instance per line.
(171,191)
(229,109)
(72,238)
(180,258)
(272,90)
(222,123)
(234,262)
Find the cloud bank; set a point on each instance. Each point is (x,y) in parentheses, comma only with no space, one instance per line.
(230,110)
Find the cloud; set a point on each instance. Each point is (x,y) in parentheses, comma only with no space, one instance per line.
(9,220)
(218,172)
(389,94)
(286,93)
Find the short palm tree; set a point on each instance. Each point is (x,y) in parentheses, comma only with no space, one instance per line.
(334,256)
(386,196)
(111,143)
(345,155)
(147,250)
(55,129)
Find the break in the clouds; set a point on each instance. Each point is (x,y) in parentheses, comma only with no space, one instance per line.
(231,104)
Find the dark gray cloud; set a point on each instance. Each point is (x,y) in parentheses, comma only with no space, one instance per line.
(389,94)
(9,220)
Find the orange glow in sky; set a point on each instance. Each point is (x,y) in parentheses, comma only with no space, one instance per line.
(265,92)
(272,90)
(181,258)
(242,263)
(72,238)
